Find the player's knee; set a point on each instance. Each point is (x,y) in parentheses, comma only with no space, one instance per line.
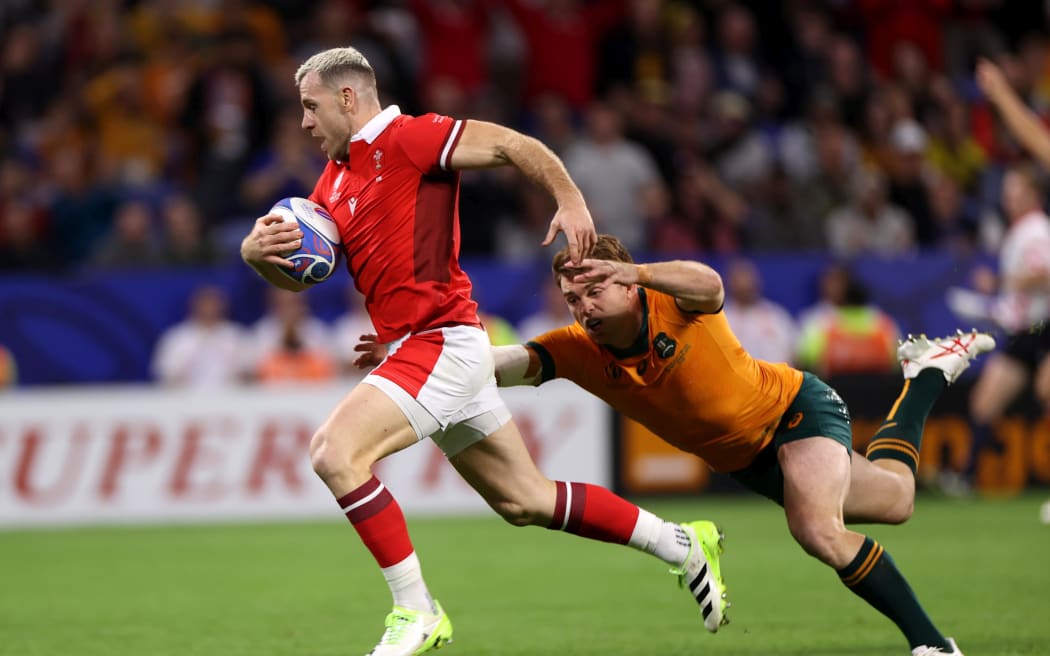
(818,538)
(903,506)
(331,459)
(515,513)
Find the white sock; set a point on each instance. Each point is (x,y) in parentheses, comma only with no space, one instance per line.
(665,540)
(406,584)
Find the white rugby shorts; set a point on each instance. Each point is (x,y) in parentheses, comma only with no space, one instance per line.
(444,381)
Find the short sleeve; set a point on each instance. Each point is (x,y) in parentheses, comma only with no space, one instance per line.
(428,141)
(555,349)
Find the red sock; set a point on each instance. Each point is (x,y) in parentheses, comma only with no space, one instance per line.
(593,512)
(379,521)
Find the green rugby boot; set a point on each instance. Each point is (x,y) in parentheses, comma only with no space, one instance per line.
(413,632)
(702,574)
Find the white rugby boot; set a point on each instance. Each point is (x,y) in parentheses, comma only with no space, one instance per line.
(952,354)
(923,650)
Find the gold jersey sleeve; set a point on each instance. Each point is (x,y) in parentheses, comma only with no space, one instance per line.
(690,382)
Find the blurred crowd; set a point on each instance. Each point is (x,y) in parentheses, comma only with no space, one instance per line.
(140,133)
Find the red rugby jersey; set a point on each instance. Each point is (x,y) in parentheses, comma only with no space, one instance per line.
(396,202)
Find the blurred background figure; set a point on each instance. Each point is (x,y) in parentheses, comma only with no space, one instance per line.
(186,239)
(133,242)
(1019,301)
(869,224)
(614,175)
(206,349)
(289,343)
(846,334)
(23,244)
(552,314)
(765,329)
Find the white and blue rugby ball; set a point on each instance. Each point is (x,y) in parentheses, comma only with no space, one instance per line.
(319,255)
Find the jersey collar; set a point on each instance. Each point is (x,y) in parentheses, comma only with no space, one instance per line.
(371,130)
(641,343)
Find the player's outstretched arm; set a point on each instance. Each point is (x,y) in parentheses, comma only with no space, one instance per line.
(695,286)
(516,365)
(262,248)
(485,145)
(1024,125)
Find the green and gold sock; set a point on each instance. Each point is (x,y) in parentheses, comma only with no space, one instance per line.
(874,577)
(900,435)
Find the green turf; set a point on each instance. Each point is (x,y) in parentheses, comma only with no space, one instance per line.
(981,568)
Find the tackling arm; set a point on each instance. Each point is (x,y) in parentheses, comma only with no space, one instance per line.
(516,365)
(696,287)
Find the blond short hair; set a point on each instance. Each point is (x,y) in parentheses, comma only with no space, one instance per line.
(607,247)
(337,65)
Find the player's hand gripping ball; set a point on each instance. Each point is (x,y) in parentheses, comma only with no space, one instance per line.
(320,252)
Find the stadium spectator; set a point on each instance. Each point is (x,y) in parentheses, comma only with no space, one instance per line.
(781,433)
(289,333)
(437,379)
(953,151)
(954,217)
(80,204)
(710,214)
(132,145)
(636,51)
(286,166)
(849,81)
(778,223)
(132,242)
(23,243)
(293,362)
(562,38)
(227,115)
(889,23)
(454,46)
(26,64)
(205,349)
(831,292)
(765,329)
(614,175)
(737,150)
(553,123)
(848,335)
(869,224)
(186,239)
(907,170)
(738,62)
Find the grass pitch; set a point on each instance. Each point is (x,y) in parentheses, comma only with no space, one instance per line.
(982,569)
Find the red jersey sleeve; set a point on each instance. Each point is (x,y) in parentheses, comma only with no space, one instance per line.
(428,141)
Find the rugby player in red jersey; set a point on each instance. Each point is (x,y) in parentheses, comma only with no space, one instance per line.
(392,186)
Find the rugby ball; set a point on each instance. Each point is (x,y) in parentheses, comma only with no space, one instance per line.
(318,256)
